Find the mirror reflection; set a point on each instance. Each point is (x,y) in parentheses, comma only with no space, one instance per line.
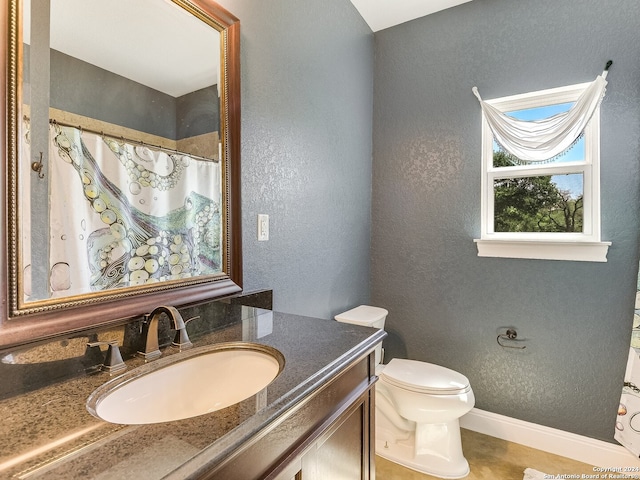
(121,177)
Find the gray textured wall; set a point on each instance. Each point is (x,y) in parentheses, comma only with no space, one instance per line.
(446,304)
(198,113)
(85,89)
(307,85)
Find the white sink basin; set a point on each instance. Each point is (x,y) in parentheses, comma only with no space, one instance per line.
(186,385)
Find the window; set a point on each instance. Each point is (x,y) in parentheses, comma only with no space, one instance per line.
(545,210)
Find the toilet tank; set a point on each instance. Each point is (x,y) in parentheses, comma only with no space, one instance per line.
(366,316)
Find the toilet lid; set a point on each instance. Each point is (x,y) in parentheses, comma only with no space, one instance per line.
(424,377)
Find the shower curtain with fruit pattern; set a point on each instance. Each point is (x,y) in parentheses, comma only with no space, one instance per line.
(627,430)
(124,214)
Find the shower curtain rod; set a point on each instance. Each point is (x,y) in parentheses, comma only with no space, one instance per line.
(129,140)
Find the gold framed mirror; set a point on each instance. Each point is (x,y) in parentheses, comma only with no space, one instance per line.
(122,161)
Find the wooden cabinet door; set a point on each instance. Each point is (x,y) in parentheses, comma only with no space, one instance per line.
(343,451)
(292,471)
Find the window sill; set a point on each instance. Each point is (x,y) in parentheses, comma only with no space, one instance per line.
(544,250)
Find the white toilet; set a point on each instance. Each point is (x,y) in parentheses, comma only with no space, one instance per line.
(418,407)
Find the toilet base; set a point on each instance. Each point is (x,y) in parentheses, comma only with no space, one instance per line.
(444,460)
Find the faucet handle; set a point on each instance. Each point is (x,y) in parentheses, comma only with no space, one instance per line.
(113,363)
(149,330)
(181,340)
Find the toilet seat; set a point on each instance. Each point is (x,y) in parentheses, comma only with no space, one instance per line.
(422,377)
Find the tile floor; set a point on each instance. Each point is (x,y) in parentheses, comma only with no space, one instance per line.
(492,459)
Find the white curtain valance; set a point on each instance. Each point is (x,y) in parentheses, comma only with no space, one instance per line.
(541,140)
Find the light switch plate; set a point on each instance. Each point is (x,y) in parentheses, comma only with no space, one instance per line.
(263,227)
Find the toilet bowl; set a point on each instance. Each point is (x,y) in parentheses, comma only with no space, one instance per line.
(418,407)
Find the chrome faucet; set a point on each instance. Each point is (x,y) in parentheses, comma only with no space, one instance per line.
(151,349)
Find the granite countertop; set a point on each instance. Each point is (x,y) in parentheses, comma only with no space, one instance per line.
(49,434)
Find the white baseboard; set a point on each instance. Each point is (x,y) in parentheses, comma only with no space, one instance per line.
(551,440)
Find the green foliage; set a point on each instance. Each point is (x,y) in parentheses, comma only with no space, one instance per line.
(533,204)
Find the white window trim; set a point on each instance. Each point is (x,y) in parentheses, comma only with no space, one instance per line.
(585,246)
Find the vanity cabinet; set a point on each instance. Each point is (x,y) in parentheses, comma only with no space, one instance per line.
(328,435)
(341,452)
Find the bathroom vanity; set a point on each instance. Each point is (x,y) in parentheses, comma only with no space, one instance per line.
(315,418)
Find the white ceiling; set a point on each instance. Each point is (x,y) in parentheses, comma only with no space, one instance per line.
(381,14)
(116,35)
(155,43)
